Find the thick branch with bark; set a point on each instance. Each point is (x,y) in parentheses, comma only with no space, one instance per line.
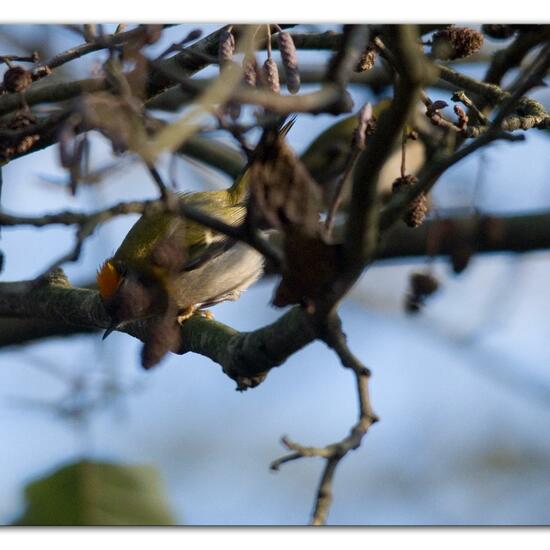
(482,234)
(361,231)
(512,56)
(245,357)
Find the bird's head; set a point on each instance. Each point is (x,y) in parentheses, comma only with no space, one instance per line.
(128,292)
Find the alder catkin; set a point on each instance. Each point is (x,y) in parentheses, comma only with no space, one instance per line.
(289,57)
(417,211)
(250,70)
(364,124)
(270,74)
(423,284)
(226,47)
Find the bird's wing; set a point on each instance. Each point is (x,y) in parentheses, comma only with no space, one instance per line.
(204,243)
(199,254)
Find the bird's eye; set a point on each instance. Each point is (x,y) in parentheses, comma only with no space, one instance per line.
(121,269)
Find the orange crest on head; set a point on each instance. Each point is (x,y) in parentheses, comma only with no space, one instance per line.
(108,279)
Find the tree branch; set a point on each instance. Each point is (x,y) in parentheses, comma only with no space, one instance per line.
(88,222)
(246,357)
(187,62)
(430,173)
(361,232)
(359,247)
(513,55)
(485,234)
(333,336)
(100,43)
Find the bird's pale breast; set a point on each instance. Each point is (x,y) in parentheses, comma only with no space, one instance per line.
(222,278)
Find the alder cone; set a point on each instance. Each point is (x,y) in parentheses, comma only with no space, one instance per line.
(13,146)
(403,182)
(456,42)
(367,60)
(17,79)
(418,208)
(412,305)
(417,211)
(460,257)
(423,284)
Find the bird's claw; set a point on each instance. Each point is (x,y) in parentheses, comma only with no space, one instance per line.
(206,313)
(187,313)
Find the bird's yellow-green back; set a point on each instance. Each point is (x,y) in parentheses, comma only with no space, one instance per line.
(149,230)
(326,156)
(135,252)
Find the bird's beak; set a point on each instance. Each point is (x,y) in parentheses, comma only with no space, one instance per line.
(109,330)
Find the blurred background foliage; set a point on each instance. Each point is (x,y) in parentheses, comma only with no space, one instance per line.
(96,493)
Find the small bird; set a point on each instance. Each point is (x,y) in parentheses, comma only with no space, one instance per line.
(171,266)
(167,261)
(327,155)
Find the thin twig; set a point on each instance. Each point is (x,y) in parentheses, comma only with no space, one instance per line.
(461,96)
(532,76)
(404,155)
(512,56)
(341,66)
(490,92)
(365,126)
(84,231)
(99,43)
(178,46)
(33,58)
(88,222)
(431,172)
(437,119)
(333,336)
(158,181)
